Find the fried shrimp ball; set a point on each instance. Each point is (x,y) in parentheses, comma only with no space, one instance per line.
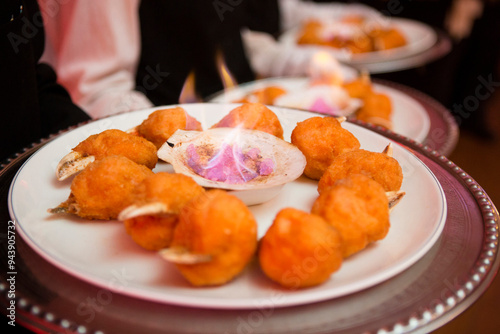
(215,239)
(107,143)
(300,249)
(104,188)
(266,95)
(360,87)
(117,142)
(376,109)
(157,202)
(255,116)
(162,123)
(378,166)
(321,139)
(358,208)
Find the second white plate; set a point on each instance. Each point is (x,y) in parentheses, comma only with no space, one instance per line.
(409,117)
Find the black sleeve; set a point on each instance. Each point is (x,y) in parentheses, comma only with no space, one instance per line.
(33,105)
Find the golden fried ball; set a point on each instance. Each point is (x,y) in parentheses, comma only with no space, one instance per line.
(151,232)
(358,208)
(321,139)
(359,87)
(266,95)
(162,124)
(221,226)
(255,116)
(155,232)
(104,188)
(378,166)
(376,109)
(117,142)
(300,249)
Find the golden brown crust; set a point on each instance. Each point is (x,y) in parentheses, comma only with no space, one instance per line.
(162,123)
(358,208)
(221,226)
(254,116)
(105,187)
(321,139)
(117,142)
(300,249)
(378,166)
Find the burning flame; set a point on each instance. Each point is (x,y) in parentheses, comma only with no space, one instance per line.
(229,163)
(324,69)
(227,79)
(188,92)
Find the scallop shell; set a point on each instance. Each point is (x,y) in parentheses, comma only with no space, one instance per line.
(288,160)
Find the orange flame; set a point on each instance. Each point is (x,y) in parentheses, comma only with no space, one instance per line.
(188,92)
(324,69)
(227,79)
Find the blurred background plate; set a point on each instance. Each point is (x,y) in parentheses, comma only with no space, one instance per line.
(409,117)
(420,37)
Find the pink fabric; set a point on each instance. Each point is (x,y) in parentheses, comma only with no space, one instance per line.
(94,46)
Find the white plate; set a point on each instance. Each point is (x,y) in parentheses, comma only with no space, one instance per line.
(420,37)
(409,117)
(103,254)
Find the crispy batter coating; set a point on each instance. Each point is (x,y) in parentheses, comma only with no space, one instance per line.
(310,34)
(104,188)
(265,95)
(378,166)
(376,109)
(117,142)
(358,88)
(300,249)
(321,139)
(155,232)
(219,225)
(385,39)
(152,232)
(358,208)
(365,38)
(162,123)
(254,116)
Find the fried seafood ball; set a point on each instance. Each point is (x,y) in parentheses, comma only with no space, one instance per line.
(360,87)
(117,142)
(153,230)
(358,208)
(321,139)
(376,109)
(254,116)
(220,229)
(162,123)
(266,95)
(104,188)
(378,166)
(311,34)
(300,249)
(107,143)
(385,39)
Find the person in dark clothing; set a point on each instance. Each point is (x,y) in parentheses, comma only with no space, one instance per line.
(33,104)
(183,37)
